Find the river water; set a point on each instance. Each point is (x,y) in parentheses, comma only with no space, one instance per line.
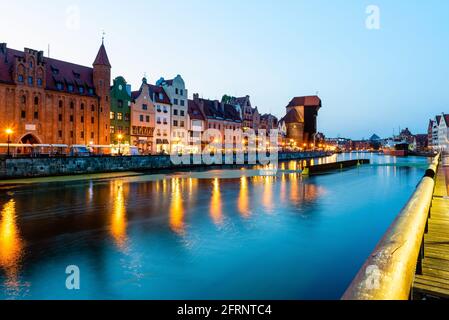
(219,234)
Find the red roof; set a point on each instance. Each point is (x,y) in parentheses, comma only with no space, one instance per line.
(57,71)
(102,57)
(157,94)
(195,111)
(307,101)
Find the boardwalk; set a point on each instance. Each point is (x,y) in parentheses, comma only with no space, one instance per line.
(434,280)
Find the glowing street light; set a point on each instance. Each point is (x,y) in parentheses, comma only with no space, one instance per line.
(120,138)
(9,132)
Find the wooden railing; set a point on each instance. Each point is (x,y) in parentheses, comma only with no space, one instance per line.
(389,272)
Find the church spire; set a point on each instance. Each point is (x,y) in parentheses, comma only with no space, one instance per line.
(102,57)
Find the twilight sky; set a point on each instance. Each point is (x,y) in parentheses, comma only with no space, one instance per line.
(369,80)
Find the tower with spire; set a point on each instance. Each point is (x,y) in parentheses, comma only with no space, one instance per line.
(102,82)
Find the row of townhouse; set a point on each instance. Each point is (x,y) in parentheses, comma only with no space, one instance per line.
(45,101)
(438,133)
(161,118)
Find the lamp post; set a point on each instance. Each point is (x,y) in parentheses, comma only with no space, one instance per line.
(9,132)
(119,137)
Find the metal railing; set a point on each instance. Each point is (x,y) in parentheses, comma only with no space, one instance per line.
(389,272)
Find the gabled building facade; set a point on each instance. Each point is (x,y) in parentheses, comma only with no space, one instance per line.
(178,95)
(268,122)
(143,119)
(243,104)
(438,133)
(163,109)
(49,101)
(120,115)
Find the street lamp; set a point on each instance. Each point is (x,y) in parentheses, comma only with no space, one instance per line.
(9,132)
(119,137)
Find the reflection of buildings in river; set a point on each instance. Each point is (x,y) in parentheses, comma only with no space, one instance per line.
(283,194)
(119,219)
(293,166)
(243,201)
(193,189)
(90,192)
(215,205)
(300,190)
(11,248)
(176,219)
(267,197)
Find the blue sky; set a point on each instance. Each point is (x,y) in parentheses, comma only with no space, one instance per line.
(369,80)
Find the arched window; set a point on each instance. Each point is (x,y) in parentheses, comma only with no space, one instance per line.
(36,101)
(82,106)
(60,103)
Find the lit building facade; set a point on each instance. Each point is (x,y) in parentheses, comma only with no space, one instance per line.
(49,101)
(120,114)
(142,119)
(301,121)
(162,105)
(178,95)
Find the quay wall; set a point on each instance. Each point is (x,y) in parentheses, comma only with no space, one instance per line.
(14,168)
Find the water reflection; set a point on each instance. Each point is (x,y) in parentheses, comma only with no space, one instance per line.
(138,219)
(243,201)
(177,208)
(267,198)
(118,222)
(11,247)
(215,205)
(283,194)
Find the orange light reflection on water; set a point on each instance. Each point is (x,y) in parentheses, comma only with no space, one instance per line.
(176,219)
(243,201)
(119,219)
(215,204)
(11,247)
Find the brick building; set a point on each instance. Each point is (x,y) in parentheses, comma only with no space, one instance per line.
(301,120)
(49,101)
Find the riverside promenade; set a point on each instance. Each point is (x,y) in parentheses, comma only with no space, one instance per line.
(411,261)
(432,278)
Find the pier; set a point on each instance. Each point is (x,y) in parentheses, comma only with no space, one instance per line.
(339,165)
(412,259)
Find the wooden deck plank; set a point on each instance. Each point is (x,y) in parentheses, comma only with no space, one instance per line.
(434,281)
